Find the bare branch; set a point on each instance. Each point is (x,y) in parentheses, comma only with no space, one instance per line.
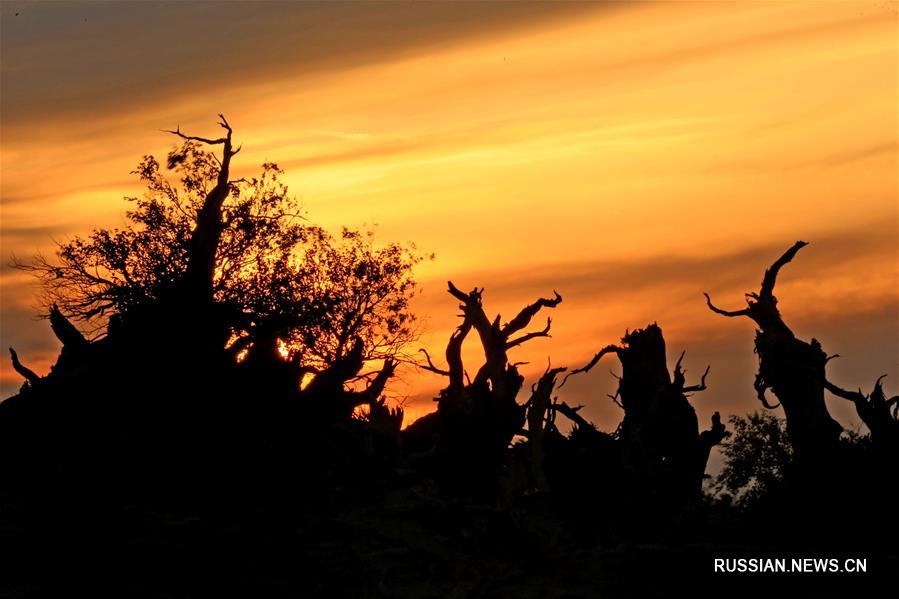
(770,277)
(760,388)
(456,369)
(616,398)
(224,123)
(540,400)
(456,293)
(679,373)
(524,317)
(28,374)
(855,396)
(376,388)
(728,313)
(572,414)
(607,349)
(64,330)
(529,336)
(701,386)
(430,366)
(680,377)
(205,140)
(473,311)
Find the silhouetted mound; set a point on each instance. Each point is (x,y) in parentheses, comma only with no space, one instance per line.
(228,433)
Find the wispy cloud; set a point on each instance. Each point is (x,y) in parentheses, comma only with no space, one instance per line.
(342,134)
(630,158)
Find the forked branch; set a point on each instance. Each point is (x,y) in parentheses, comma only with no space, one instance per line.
(606,350)
(701,386)
(529,336)
(728,313)
(223,123)
(527,313)
(430,364)
(28,374)
(770,278)
(680,377)
(571,412)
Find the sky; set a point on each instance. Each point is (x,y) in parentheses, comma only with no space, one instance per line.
(629,156)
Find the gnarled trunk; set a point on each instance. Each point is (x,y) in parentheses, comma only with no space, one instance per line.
(478,419)
(206,236)
(661,446)
(796,371)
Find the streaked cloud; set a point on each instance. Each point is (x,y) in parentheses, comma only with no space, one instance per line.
(77,59)
(630,156)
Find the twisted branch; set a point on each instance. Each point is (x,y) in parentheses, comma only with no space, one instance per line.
(607,349)
(529,336)
(28,374)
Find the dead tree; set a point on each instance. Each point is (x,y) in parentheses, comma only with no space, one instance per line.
(207,233)
(30,376)
(328,394)
(662,449)
(477,418)
(577,464)
(794,369)
(880,415)
(539,425)
(75,349)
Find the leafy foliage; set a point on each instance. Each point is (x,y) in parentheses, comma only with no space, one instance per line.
(288,280)
(756,457)
(365,290)
(114,270)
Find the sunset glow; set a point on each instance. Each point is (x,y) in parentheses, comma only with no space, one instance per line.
(628,156)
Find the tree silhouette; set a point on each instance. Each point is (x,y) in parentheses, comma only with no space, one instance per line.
(795,370)
(232,262)
(212,410)
(880,415)
(541,423)
(756,457)
(662,448)
(476,419)
(327,295)
(166,241)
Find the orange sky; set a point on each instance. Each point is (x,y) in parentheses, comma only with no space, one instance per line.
(628,156)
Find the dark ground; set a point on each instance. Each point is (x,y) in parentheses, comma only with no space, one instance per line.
(403,540)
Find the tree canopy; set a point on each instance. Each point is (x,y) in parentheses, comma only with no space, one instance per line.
(287,283)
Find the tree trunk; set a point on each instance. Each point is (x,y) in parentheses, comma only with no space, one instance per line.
(478,420)
(792,368)
(661,442)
